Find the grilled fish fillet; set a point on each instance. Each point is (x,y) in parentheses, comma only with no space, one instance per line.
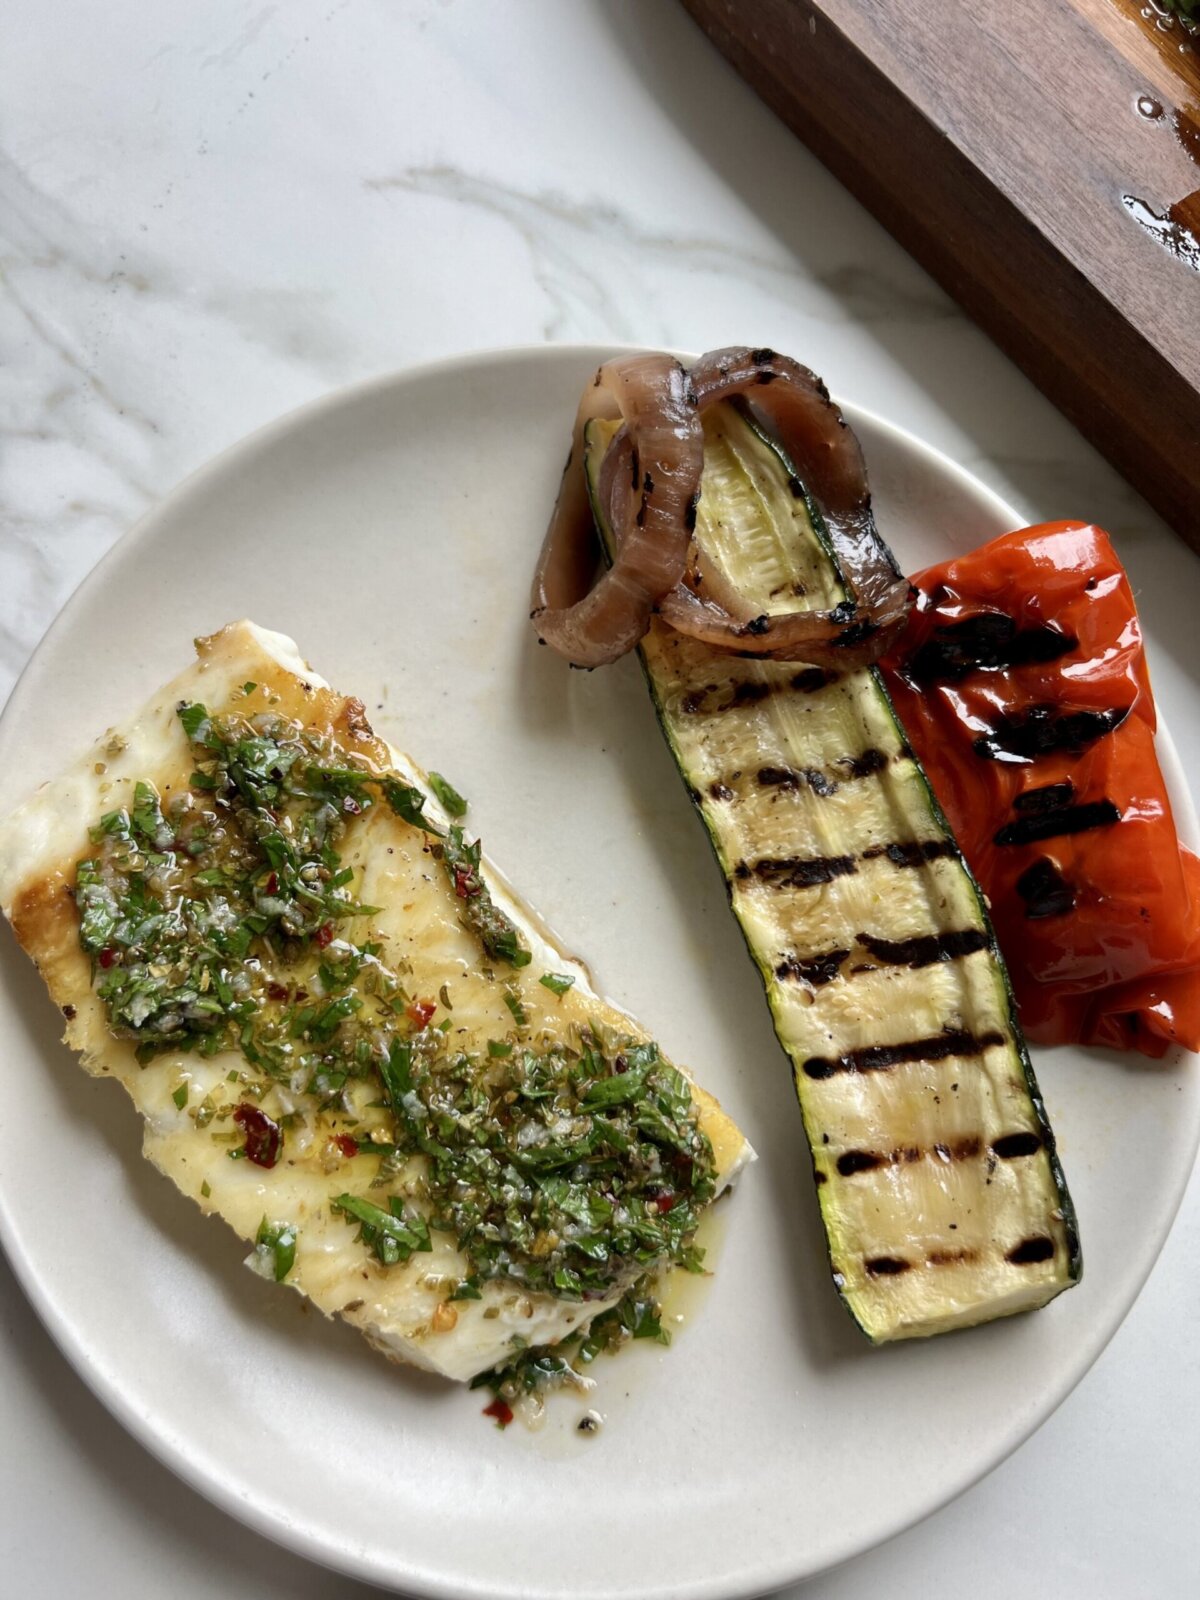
(401,1308)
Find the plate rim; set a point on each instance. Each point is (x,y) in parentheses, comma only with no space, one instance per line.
(157,1438)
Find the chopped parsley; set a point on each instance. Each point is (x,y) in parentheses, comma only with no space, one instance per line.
(496,932)
(391,1235)
(452,802)
(557,982)
(407,802)
(274,1250)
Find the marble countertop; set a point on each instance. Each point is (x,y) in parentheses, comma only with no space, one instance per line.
(212,213)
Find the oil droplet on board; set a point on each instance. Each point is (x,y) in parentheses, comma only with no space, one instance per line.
(1170,231)
(1147,107)
(1188,134)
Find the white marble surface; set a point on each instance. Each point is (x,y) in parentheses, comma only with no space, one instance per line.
(211,213)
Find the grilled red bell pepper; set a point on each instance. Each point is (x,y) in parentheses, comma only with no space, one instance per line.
(1022,683)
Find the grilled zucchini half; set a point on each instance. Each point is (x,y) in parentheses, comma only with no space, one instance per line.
(943,1199)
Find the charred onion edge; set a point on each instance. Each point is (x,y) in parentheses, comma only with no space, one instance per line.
(795,405)
(591,623)
(844,638)
(649,487)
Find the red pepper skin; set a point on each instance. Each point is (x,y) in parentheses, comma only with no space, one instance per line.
(1102,939)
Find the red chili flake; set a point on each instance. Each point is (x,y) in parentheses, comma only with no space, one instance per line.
(664,1201)
(264,1138)
(273,883)
(323,935)
(107,956)
(277,991)
(345,1145)
(419,1012)
(501,1410)
(465,884)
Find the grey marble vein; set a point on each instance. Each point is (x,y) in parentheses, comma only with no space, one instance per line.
(580,250)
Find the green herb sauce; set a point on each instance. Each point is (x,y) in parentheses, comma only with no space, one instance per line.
(225,920)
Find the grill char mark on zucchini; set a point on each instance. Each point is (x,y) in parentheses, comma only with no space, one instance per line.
(859,1161)
(789,778)
(1009,1147)
(1012,1145)
(912,1073)
(816,778)
(795,872)
(913,853)
(920,951)
(854,1161)
(814,970)
(864,763)
(745,691)
(1036,1248)
(1027,1253)
(958,1042)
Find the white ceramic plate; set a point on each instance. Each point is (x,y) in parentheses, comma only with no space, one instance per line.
(390,529)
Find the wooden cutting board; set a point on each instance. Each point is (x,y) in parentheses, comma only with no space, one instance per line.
(1041,158)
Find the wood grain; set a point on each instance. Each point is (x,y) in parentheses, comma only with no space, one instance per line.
(1042,160)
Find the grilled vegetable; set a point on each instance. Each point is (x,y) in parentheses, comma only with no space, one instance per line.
(942,1196)
(649,491)
(1023,683)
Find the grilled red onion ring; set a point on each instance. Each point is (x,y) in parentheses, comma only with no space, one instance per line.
(826,453)
(591,625)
